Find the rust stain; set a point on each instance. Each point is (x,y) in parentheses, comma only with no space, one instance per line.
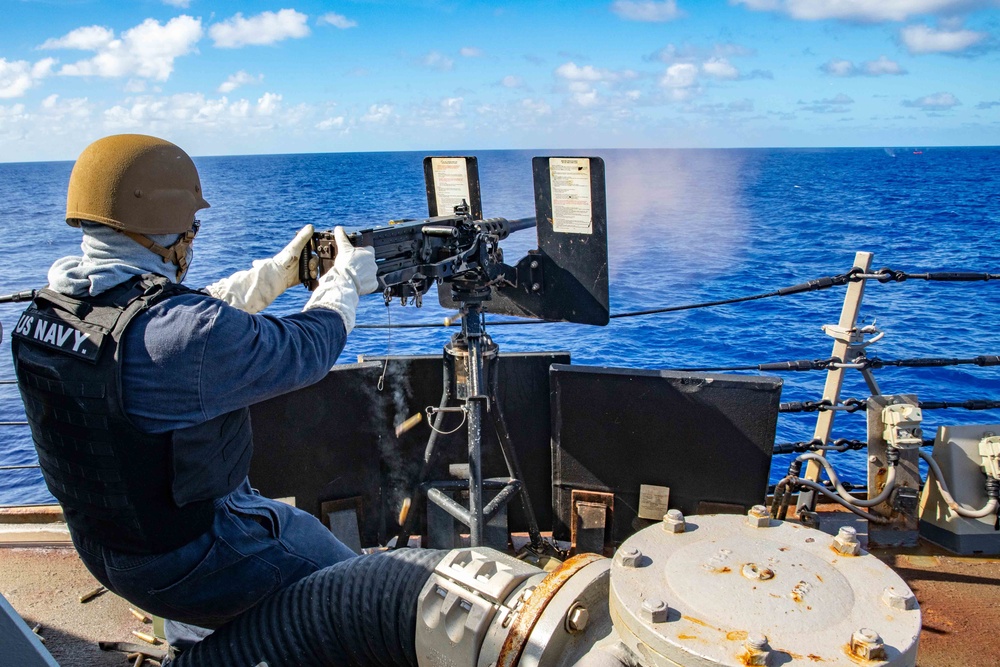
(687,636)
(736,635)
(820,578)
(857,658)
(517,637)
(816,658)
(697,621)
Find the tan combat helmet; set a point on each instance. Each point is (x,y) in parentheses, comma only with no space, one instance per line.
(138,185)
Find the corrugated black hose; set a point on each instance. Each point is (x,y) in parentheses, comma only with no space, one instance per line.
(360,613)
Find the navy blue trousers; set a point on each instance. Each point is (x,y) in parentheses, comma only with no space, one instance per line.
(254,548)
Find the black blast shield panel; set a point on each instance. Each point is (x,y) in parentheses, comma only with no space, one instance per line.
(335,441)
(708,438)
(566,278)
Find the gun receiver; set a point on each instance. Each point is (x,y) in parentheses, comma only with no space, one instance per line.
(412,254)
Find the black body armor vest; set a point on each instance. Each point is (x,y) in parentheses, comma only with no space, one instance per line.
(131,491)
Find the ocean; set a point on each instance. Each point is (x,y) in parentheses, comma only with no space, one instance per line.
(685,226)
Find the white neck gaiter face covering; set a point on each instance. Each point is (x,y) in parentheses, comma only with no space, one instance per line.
(109,259)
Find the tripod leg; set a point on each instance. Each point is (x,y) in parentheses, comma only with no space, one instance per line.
(410,520)
(510,456)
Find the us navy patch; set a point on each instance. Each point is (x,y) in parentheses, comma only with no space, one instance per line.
(52,331)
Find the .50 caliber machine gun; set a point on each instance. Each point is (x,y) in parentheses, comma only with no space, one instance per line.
(564,279)
(414,254)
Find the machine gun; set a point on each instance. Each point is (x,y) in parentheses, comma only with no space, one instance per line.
(564,279)
(414,254)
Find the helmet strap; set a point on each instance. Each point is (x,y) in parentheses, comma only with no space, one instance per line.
(176,253)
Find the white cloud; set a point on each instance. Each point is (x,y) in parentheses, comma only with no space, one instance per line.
(720,68)
(863,10)
(336,20)
(176,112)
(536,107)
(180,4)
(924,39)
(881,67)
(839,103)
(87,38)
(646,10)
(377,114)
(511,81)
(334,123)
(263,29)
(935,102)
(470,52)
(437,60)
(268,104)
(679,75)
(148,50)
(452,106)
(241,78)
(18,76)
(572,72)
(837,67)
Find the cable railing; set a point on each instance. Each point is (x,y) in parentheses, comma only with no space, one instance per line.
(859,360)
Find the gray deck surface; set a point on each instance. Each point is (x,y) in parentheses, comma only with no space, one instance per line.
(959,599)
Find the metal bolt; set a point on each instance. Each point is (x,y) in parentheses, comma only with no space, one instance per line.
(757,650)
(534,263)
(867,644)
(897,599)
(872,459)
(673,521)
(759,517)
(629,557)
(654,610)
(846,542)
(577,619)
(536,287)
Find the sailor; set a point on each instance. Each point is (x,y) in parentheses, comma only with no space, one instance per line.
(137,391)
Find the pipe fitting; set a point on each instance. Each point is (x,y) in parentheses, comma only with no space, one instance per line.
(846,542)
(757,650)
(897,599)
(759,517)
(577,619)
(629,557)
(867,645)
(673,521)
(654,610)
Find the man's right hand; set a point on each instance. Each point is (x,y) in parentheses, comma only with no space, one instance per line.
(354,273)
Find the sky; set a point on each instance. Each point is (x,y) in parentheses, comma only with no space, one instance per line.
(298,76)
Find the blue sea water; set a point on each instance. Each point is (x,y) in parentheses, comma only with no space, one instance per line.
(685,226)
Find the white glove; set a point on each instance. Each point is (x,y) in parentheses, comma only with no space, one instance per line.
(353,274)
(253,290)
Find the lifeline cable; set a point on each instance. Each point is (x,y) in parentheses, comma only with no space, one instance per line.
(855,404)
(859,363)
(884,275)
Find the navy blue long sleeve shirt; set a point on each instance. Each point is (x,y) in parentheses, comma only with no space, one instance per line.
(193,357)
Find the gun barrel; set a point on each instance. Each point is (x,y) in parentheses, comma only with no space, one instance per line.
(518,224)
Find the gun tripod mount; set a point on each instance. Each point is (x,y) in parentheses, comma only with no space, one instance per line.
(564,280)
(471,376)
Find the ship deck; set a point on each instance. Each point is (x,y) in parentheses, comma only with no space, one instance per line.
(958,598)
